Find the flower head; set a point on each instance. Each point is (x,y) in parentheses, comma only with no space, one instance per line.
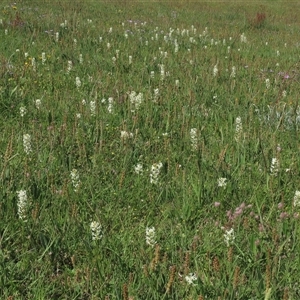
(229,237)
(150,236)
(296,201)
(190,278)
(22,204)
(96,230)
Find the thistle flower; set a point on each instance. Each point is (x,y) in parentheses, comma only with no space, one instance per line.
(96,230)
(229,236)
(75,179)
(238,128)
(194,138)
(27,143)
(22,204)
(190,278)
(150,236)
(274,167)
(296,201)
(154,173)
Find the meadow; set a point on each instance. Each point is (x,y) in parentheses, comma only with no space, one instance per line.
(149,150)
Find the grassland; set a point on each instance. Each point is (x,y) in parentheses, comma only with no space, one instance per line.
(149,150)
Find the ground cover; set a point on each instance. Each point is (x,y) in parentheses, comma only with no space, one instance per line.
(149,150)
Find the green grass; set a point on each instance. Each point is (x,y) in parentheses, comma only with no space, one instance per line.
(75,151)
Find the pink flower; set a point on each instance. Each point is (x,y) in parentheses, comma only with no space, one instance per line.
(280,205)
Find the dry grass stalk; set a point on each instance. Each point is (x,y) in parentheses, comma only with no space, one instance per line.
(171,279)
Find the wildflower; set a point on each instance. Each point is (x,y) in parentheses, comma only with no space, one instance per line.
(296,201)
(162,72)
(70,66)
(222,182)
(43,57)
(22,204)
(38,103)
(215,71)
(75,179)
(138,169)
(274,166)
(229,236)
(194,138)
(267,83)
(78,82)
(238,128)
(56,36)
(23,111)
(152,74)
(96,230)
(80,59)
(243,38)
(136,99)
(156,95)
(284,94)
(125,135)
(93,108)
(176,46)
(150,236)
(75,43)
(33,64)
(110,104)
(233,72)
(130,59)
(114,59)
(155,170)
(177,82)
(191,278)
(108,45)
(5,31)
(27,143)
